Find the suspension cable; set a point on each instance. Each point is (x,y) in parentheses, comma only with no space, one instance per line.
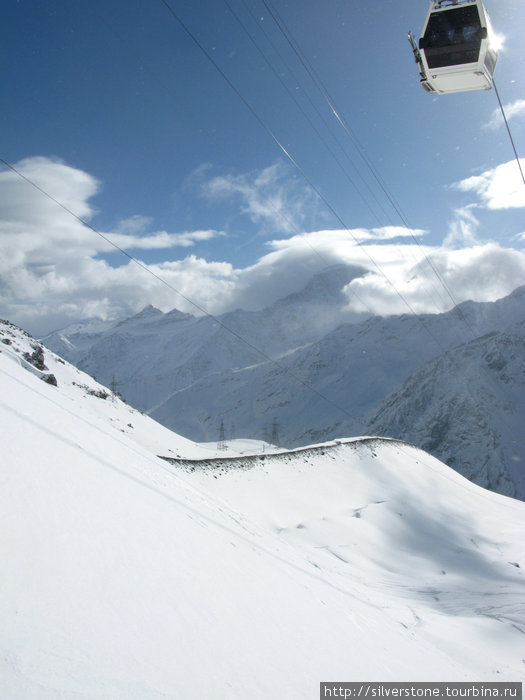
(508,131)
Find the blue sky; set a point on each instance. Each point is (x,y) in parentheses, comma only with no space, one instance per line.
(113,110)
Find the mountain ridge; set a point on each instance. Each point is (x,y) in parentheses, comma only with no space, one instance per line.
(192,373)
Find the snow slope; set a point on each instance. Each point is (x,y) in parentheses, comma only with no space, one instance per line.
(127,576)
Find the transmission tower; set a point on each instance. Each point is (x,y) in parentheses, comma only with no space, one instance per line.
(275,433)
(221,444)
(114,388)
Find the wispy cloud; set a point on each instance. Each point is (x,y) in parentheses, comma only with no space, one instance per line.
(161,239)
(463,228)
(273,198)
(137,233)
(512,110)
(386,233)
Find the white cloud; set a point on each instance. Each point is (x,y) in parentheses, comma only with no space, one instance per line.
(386,274)
(499,188)
(51,273)
(48,258)
(512,110)
(73,188)
(36,230)
(480,273)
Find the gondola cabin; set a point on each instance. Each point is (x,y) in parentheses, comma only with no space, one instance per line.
(457,49)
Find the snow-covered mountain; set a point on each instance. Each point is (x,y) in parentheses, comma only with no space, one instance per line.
(468,408)
(128,575)
(152,355)
(324,379)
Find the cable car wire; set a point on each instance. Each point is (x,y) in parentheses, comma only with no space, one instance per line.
(331,104)
(509,132)
(326,97)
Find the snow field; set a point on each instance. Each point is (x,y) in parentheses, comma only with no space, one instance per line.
(129,577)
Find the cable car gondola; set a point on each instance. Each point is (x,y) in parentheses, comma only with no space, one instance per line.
(457,48)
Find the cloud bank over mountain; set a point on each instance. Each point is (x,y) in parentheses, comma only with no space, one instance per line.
(57,267)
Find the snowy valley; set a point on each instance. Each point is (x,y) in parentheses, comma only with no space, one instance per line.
(308,370)
(139,564)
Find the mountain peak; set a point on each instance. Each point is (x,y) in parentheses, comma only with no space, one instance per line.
(325,287)
(148,313)
(176,315)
